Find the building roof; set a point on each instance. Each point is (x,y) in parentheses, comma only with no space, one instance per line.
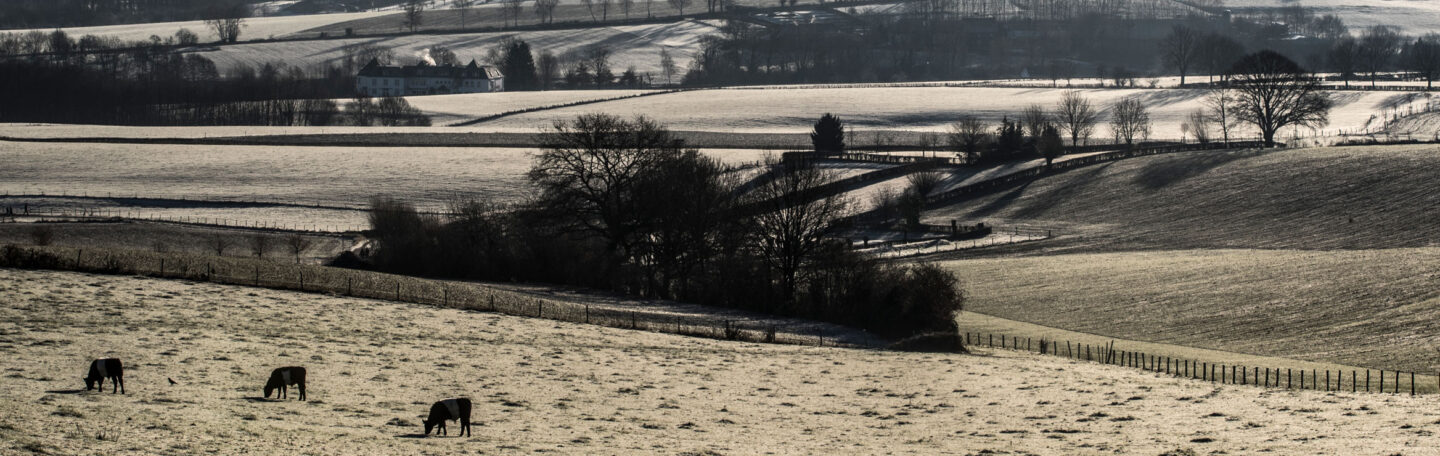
(424,70)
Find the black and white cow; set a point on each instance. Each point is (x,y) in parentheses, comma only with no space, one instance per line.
(446,410)
(282,378)
(102,369)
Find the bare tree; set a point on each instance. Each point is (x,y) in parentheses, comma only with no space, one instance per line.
(1198,124)
(545,10)
(680,5)
(547,69)
(1378,45)
(667,65)
(1344,57)
(1034,119)
(590,6)
(1217,52)
(626,6)
(414,14)
(967,136)
(259,244)
(297,244)
(226,21)
(791,227)
(1220,109)
(1273,92)
(512,9)
(1129,120)
(1076,117)
(219,243)
(463,6)
(1180,50)
(1423,57)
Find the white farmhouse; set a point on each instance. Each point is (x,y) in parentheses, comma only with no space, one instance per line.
(423,79)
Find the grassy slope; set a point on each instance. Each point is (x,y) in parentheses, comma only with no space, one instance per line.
(1168,249)
(1371,308)
(1296,199)
(571,389)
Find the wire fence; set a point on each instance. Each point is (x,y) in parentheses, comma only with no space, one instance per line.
(439,293)
(1278,377)
(108,214)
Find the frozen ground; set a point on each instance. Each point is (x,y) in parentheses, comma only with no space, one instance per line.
(255,27)
(543,386)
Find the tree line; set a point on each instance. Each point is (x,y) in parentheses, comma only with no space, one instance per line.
(623,205)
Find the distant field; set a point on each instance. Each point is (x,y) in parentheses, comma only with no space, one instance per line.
(1370,308)
(637,45)
(170,238)
(543,386)
(1319,198)
(335,176)
(1413,17)
(446,109)
(925,108)
(255,28)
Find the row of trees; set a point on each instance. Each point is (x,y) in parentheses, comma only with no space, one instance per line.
(70,13)
(1380,48)
(1264,90)
(623,205)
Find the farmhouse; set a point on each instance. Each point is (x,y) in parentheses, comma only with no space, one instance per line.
(378,80)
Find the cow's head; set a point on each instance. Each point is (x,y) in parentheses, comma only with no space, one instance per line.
(89,383)
(268,389)
(429,425)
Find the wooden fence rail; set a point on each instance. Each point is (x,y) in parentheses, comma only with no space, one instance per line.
(1339,380)
(375,285)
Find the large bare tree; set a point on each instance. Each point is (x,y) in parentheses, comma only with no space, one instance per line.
(1180,50)
(464,7)
(1272,92)
(1077,118)
(1129,120)
(1378,45)
(791,227)
(1423,57)
(967,135)
(1344,57)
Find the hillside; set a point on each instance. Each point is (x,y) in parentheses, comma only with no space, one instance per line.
(1368,308)
(1316,198)
(542,386)
(637,45)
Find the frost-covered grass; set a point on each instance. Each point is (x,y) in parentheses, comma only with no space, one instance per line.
(539,385)
(1413,17)
(637,45)
(255,27)
(928,108)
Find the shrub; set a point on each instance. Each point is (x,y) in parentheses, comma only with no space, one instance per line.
(935,342)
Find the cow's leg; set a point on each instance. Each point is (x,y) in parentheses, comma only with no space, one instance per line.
(302,391)
(442,428)
(120,380)
(464,426)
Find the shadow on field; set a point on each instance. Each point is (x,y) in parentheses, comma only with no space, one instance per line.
(1161,173)
(1002,202)
(71,391)
(259,399)
(415,436)
(1046,199)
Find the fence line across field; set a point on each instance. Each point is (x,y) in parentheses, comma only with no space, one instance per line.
(375,285)
(1336,380)
(217,222)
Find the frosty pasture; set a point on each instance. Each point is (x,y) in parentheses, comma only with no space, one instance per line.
(572,389)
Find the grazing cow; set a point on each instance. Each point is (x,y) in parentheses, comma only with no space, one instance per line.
(102,369)
(446,410)
(282,378)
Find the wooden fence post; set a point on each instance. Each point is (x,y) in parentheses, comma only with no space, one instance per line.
(1352,380)
(587,318)
(162,267)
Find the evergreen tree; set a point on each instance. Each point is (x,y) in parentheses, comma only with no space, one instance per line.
(519,67)
(1050,145)
(829,135)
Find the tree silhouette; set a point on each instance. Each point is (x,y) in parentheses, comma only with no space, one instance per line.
(1272,91)
(829,135)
